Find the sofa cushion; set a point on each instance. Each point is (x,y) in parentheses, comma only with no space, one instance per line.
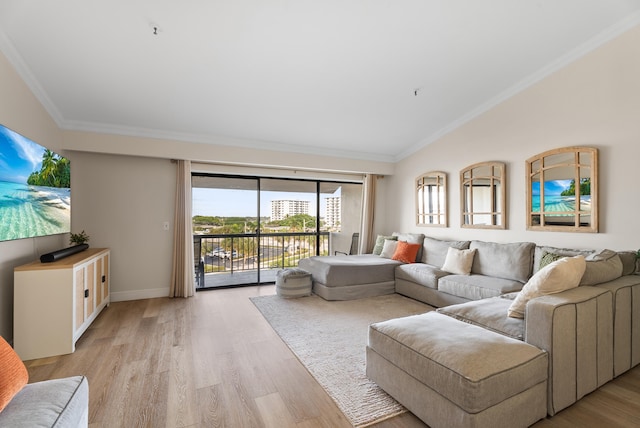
(377,248)
(470,366)
(412,238)
(459,262)
(628,259)
(476,287)
(434,251)
(420,273)
(558,276)
(406,252)
(13,374)
(488,313)
(509,261)
(540,251)
(602,265)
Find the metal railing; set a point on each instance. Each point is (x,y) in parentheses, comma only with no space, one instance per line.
(245,252)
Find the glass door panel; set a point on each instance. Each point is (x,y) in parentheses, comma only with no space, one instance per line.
(225,222)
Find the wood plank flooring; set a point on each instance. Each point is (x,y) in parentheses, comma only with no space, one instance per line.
(213,361)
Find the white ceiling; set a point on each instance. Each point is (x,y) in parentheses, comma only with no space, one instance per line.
(325,77)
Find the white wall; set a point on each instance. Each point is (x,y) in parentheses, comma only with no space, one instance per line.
(594,102)
(21,112)
(122,203)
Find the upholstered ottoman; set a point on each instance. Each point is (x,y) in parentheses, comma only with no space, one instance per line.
(450,373)
(293,282)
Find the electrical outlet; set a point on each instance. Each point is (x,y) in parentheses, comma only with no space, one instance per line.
(165,225)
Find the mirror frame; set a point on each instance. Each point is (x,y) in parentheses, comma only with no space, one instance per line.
(438,216)
(540,164)
(498,173)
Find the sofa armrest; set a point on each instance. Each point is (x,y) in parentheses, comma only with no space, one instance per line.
(576,328)
(58,402)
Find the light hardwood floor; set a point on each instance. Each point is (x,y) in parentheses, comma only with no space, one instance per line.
(213,361)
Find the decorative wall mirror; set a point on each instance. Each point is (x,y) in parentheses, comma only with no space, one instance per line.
(483,196)
(562,190)
(431,199)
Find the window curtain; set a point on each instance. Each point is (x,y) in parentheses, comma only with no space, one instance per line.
(182,277)
(368,208)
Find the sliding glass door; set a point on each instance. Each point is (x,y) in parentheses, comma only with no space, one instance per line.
(247,228)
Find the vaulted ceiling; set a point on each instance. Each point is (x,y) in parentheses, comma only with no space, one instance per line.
(368,79)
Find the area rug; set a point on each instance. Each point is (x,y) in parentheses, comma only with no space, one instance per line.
(329,339)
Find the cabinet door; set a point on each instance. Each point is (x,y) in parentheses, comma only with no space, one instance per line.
(90,285)
(104,278)
(78,297)
(99,284)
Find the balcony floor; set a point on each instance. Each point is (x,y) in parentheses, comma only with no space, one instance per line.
(245,277)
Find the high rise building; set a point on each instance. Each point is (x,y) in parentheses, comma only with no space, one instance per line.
(332,216)
(282,208)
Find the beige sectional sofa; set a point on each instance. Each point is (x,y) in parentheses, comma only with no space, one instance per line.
(588,334)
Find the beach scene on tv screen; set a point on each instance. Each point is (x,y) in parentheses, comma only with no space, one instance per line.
(35,197)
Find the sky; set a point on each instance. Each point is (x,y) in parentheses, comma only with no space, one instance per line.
(243,203)
(551,188)
(19,156)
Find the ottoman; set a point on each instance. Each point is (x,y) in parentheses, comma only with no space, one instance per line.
(450,373)
(293,282)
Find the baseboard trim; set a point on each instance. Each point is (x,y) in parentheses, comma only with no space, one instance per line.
(152,293)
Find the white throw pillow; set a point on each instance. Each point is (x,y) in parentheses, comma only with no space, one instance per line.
(459,262)
(558,276)
(389,248)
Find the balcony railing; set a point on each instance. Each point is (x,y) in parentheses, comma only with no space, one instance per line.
(245,254)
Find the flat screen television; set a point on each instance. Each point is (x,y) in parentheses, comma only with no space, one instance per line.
(35,189)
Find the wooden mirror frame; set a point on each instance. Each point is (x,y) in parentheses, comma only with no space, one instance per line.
(432,210)
(491,175)
(562,168)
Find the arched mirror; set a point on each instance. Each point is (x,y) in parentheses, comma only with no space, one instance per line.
(562,187)
(483,196)
(431,199)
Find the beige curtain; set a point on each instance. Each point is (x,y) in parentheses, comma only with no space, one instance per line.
(182,277)
(368,208)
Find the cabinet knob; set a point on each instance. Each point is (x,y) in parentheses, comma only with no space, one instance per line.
(86,293)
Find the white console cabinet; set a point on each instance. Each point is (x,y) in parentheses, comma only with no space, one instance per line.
(54,303)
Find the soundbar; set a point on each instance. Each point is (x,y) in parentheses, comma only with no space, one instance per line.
(60,254)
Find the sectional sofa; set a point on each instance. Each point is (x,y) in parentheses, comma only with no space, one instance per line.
(470,364)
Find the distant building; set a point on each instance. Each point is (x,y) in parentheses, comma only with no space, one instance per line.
(332,215)
(283,208)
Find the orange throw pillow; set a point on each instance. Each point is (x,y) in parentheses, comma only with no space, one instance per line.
(13,373)
(405,252)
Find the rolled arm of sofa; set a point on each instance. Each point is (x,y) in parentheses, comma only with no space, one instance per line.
(576,328)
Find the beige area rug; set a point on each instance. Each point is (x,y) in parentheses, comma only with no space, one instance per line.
(329,339)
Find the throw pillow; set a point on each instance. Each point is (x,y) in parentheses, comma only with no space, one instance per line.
(459,262)
(406,252)
(13,373)
(548,258)
(561,275)
(389,248)
(377,249)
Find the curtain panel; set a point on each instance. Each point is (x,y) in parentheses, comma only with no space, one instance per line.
(182,277)
(368,208)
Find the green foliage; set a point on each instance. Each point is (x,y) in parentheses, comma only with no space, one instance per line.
(55,172)
(78,238)
(585,188)
(207,220)
(299,222)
